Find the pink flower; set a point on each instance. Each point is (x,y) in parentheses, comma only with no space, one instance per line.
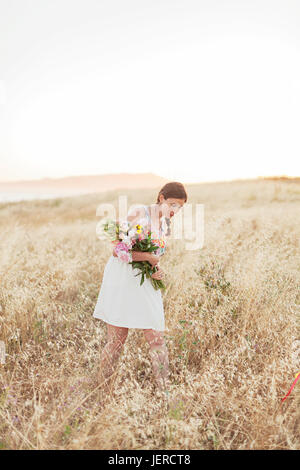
(121,247)
(122,252)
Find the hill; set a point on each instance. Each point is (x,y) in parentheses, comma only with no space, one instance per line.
(86,183)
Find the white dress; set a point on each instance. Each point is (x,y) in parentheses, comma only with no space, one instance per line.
(122,301)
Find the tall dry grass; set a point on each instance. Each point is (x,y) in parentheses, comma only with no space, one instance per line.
(231,315)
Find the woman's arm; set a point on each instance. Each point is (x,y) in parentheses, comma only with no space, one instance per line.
(137,255)
(143,256)
(140,256)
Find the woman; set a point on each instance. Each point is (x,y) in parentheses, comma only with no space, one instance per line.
(123,303)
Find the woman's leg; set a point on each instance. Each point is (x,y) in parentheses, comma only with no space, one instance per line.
(116,337)
(159,357)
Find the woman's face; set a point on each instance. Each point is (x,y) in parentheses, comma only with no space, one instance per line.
(170,206)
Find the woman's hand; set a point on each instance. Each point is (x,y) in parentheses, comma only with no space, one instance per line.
(159,274)
(153,259)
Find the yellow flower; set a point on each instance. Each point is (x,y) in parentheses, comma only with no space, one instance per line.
(138,228)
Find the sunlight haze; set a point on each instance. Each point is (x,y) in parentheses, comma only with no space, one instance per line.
(188,90)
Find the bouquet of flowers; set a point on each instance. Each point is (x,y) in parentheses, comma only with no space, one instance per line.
(127,239)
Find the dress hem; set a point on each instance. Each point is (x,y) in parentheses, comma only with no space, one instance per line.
(122,326)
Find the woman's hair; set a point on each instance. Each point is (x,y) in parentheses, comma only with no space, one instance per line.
(174,189)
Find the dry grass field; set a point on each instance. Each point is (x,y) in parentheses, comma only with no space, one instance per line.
(231,312)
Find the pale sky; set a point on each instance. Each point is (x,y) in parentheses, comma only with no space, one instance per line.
(190,90)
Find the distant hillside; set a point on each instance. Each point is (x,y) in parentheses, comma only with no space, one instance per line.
(289,179)
(88,183)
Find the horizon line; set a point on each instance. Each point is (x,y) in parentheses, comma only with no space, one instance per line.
(50,178)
